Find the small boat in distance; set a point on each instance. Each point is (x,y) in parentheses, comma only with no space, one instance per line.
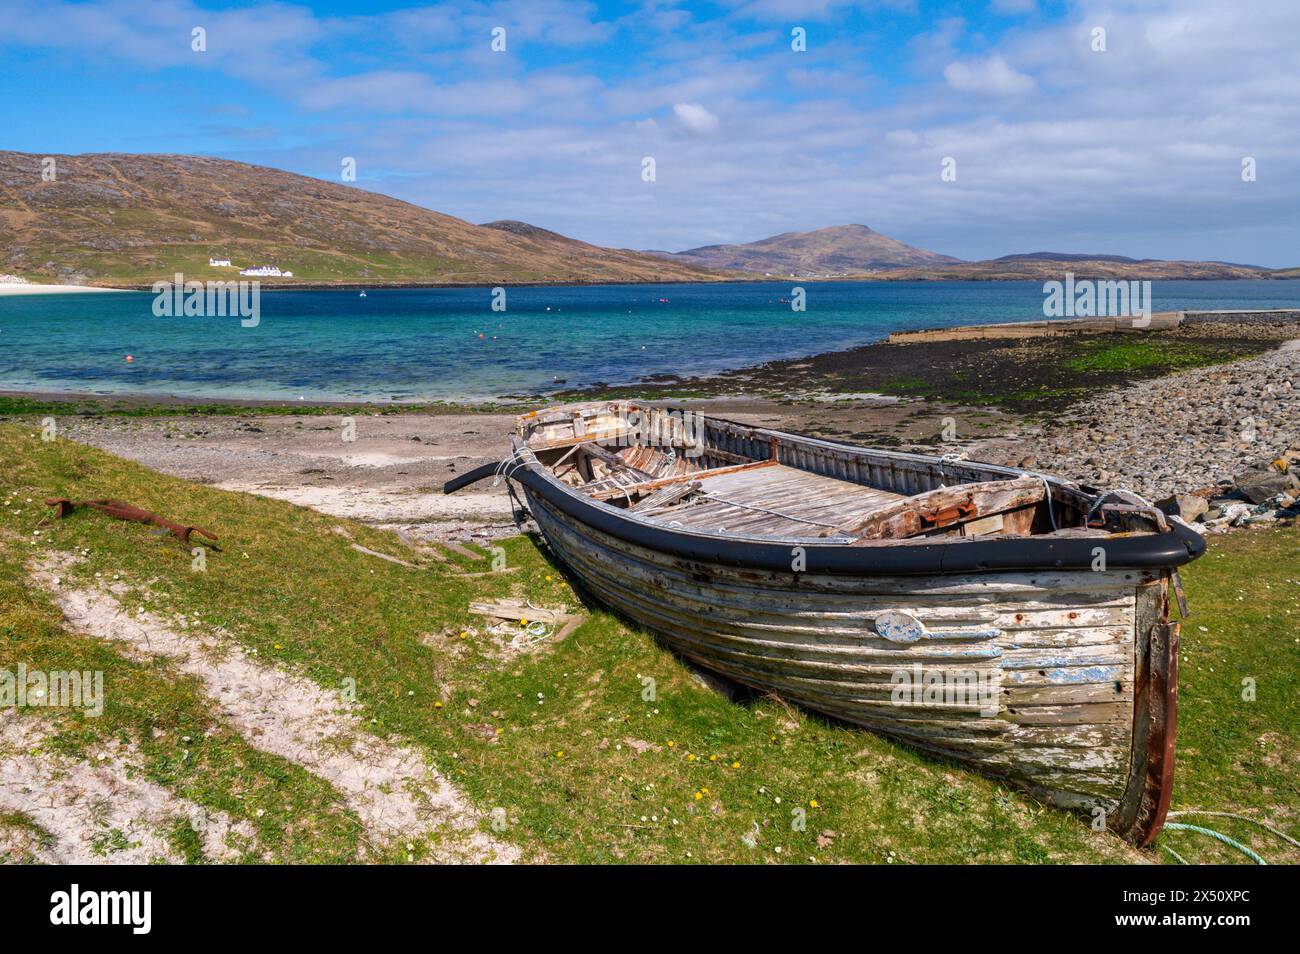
(363,294)
(1016,622)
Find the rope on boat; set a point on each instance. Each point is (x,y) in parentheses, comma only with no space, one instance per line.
(1218,836)
(1119,493)
(1047,495)
(506,471)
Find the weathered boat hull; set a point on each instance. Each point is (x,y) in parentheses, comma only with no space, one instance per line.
(1012,621)
(1074,670)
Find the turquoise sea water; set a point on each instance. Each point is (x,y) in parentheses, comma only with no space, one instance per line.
(449,344)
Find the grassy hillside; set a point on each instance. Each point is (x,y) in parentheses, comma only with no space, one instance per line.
(561,737)
(132,219)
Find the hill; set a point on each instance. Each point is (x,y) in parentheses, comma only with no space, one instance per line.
(833,251)
(115,218)
(1026,268)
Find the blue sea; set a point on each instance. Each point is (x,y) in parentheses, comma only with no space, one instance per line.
(448,344)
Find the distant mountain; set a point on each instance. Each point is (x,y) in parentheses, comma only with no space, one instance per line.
(1016,268)
(1068,257)
(837,250)
(857,252)
(116,218)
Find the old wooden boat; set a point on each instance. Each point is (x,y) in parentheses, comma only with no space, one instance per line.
(1016,622)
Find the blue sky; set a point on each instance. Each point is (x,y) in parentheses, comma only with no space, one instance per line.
(1136,149)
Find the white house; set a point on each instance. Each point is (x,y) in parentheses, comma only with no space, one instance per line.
(220,263)
(262,271)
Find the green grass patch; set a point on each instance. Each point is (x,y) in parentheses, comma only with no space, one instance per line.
(1148,353)
(1239,696)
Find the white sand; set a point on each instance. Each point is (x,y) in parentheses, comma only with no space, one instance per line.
(395,793)
(81,803)
(31,288)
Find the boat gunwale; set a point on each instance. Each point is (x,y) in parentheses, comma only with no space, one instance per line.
(839,556)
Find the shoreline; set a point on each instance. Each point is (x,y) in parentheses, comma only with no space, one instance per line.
(15,289)
(890,277)
(1156,413)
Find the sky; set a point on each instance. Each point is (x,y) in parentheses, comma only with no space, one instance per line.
(1114,126)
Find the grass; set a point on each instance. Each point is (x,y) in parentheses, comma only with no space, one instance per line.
(22,838)
(1148,354)
(1028,376)
(584,767)
(1237,754)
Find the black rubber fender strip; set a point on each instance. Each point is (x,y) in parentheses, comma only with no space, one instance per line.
(471,477)
(1155,551)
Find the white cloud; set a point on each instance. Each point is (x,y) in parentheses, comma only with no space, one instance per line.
(992,77)
(696,118)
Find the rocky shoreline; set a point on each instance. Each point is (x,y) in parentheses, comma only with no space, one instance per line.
(1217,446)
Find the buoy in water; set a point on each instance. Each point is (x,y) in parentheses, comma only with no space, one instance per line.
(130,358)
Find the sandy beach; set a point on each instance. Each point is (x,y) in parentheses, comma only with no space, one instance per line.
(391,474)
(12,289)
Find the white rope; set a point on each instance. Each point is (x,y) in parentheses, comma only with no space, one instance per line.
(531,635)
(1047,494)
(1120,493)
